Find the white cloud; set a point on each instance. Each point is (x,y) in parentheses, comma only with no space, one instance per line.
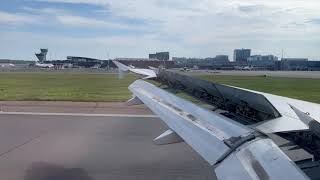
(139,46)
(79,21)
(205,27)
(64,17)
(214,18)
(62,46)
(17,19)
(52,11)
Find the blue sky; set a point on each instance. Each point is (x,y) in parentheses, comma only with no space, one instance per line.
(134,28)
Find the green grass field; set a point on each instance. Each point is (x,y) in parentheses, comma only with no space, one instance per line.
(108,88)
(64,87)
(304,89)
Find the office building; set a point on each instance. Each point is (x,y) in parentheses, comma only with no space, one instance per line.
(87,62)
(262,60)
(241,55)
(162,56)
(221,60)
(314,65)
(293,64)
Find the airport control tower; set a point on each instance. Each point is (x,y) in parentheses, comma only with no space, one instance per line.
(42,56)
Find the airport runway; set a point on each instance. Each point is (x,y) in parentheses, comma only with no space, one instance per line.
(50,147)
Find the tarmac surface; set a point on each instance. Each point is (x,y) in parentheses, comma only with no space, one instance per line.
(93,141)
(71,147)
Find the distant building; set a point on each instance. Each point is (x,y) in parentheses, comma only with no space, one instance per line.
(263,61)
(162,56)
(221,60)
(294,59)
(241,55)
(144,63)
(86,62)
(42,56)
(190,62)
(134,59)
(152,56)
(314,65)
(82,59)
(203,63)
(293,64)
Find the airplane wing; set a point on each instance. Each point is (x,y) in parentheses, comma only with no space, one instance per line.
(235,151)
(149,73)
(233,136)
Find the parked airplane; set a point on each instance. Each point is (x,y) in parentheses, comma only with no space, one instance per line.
(244,68)
(43,65)
(234,136)
(7,65)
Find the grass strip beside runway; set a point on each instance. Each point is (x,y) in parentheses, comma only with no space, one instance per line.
(64,87)
(49,86)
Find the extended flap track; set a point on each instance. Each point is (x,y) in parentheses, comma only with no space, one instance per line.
(246,107)
(235,142)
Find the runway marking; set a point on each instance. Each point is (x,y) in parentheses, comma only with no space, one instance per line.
(19,145)
(77,114)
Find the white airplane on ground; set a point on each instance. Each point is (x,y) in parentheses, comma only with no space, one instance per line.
(235,135)
(43,65)
(244,68)
(7,65)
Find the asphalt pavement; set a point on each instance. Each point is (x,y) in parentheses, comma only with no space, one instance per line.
(70,147)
